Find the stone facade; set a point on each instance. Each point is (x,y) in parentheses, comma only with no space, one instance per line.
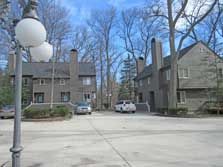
(196,77)
(73,82)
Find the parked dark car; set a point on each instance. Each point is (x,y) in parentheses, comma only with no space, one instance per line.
(7,111)
(82,108)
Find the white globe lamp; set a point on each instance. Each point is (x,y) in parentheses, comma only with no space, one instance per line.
(42,53)
(30,32)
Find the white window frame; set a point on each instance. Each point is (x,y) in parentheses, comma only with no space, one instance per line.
(149,81)
(182,96)
(40,83)
(140,83)
(62,82)
(168,74)
(87,81)
(136,84)
(183,72)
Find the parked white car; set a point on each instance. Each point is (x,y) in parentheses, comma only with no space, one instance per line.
(125,106)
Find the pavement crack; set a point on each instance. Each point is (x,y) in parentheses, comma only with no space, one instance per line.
(109,143)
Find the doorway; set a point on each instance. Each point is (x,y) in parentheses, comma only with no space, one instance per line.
(152,101)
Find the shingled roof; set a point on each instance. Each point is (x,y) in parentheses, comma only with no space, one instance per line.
(44,70)
(166,63)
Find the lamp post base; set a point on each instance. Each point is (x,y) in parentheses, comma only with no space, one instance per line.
(16,153)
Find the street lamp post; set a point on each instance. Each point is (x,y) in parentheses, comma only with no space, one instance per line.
(17,148)
(29,33)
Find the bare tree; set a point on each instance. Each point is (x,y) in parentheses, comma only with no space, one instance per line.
(85,42)
(136,31)
(55,18)
(102,25)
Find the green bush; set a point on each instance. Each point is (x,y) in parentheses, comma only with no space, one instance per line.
(173,111)
(60,111)
(37,113)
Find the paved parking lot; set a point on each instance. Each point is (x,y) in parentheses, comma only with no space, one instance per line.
(118,140)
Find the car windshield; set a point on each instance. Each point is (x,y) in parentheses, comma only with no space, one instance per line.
(7,107)
(84,104)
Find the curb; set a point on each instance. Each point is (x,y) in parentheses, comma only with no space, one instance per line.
(46,119)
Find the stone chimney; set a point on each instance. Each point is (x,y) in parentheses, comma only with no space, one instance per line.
(157,64)
(157,54)
(140,63)
(12,61)
(74,76)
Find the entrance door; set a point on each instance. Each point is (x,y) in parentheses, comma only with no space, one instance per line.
(152,101)
(39,97)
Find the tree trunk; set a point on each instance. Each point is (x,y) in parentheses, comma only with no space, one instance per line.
(173,76)
(101,71)
(108,77)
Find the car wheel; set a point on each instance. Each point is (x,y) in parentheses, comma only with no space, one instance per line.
(2,117)
(133,112)
(89,113)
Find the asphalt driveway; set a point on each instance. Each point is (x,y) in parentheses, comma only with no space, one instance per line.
(118,140)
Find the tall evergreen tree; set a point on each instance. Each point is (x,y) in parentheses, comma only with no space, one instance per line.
(128,72)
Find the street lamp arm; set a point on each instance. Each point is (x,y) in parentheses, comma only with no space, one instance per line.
(30,10)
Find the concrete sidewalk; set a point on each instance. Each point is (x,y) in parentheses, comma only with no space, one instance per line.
(118,140)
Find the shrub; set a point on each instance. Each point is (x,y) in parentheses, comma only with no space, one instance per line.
(177,111)
(38,113)
(60,111)
(173,111)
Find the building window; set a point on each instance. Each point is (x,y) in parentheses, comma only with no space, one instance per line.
(140,83)
(12,81)
(87,97)
(149,81)
(87,81)
(42,82)
(93,95)
(181,97)
(136,84)
(62,81)
(183,73)
(140,97)
(39,97)
(220,73)
(65,96)
(168,75)
(202,50)
(25,81)
(24,101)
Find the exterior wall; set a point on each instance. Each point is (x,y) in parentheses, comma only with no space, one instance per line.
(200,61)
(194,99)
(88,89)
(202,72)
(46,89)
